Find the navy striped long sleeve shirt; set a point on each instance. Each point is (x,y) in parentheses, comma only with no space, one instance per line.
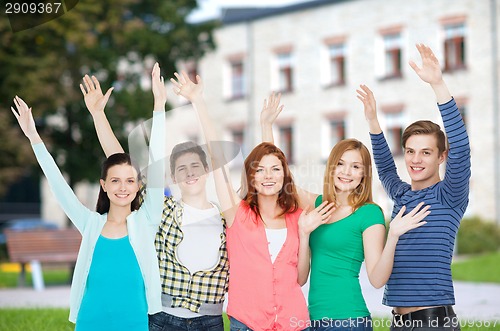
(421,274)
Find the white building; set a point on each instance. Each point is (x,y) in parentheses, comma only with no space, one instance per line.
(317,53)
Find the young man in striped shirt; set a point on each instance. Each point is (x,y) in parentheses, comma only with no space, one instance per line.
(420,288)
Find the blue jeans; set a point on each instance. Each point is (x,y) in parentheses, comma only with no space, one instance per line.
(236,325)
(349,324)
(166,322)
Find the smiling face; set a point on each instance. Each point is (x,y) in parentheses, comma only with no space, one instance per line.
(349,171)
(422,159)
(121,184)
(269,176)
(190,174)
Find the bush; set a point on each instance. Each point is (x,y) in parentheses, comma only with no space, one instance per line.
(477,236)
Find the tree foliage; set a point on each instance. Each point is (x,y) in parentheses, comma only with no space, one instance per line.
(45,64)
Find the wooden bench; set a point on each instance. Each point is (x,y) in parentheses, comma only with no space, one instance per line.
(42,246)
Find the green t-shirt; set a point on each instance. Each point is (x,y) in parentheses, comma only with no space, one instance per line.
(336,257)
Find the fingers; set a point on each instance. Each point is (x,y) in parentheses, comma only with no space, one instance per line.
(325,209)
(184,78)
(96,83)
(108,93)
(15,113)
(83,89)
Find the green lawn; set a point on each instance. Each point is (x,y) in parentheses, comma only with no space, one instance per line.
(57,320)
(482,268)
(50,277)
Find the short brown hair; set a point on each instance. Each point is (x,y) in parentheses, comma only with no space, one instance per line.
(187,148)
(426,128)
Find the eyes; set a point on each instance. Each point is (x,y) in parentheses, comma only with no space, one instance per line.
(183,169)
(273,169)
(354,166)
(129,181)
(411,152)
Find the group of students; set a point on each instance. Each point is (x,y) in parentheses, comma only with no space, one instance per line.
(167,264)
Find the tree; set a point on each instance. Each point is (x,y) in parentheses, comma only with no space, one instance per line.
(45,65)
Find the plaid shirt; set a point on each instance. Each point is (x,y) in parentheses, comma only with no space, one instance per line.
(188,291)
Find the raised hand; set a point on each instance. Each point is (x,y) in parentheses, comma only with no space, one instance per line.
(271,109)
(369,103)
(92,94)
(430,72)
(186,87)
(158,87)
(310,220)
(402,224)
(25,119)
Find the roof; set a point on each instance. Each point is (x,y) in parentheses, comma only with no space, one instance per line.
(244,14)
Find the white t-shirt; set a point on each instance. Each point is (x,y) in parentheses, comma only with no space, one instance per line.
(275,239)
(199,248)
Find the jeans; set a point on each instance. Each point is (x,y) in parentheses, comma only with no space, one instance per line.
(166,322)
(349,324)
(236,325)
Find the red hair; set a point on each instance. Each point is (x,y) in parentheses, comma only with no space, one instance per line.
(287,197)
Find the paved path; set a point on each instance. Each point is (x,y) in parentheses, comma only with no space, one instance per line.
(475,301)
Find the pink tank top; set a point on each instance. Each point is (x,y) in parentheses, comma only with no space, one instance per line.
(264,295)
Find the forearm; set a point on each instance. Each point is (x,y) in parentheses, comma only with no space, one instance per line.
(441,91)
(34,138)
(267,133)
(381,271)
(107,138)
(304,260)
(156,168)
(374,126)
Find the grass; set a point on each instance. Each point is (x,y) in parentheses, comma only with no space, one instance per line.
(57,320)
(50,277)
(35,320)
(481,268)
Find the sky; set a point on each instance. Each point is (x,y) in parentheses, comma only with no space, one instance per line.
(211,8)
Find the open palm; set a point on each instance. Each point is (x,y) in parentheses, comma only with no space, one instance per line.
(430,72)
(92,94)
(24,117)
(186,87)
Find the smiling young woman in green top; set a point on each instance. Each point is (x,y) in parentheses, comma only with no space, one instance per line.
(354,233)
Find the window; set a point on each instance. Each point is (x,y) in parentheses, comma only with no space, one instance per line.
(335,132)
(192,71)
(238,136)
(392,55)
(285,142)
(454,47)
(336,54)
(394,121)
(237,80)
(394,135)
(285,72)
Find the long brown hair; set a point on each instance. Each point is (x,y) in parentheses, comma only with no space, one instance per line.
(103,202)
(287,197)
(363,192)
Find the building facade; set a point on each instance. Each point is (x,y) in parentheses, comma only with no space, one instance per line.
(318,53)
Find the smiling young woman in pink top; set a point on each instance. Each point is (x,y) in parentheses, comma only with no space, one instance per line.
(262,230)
